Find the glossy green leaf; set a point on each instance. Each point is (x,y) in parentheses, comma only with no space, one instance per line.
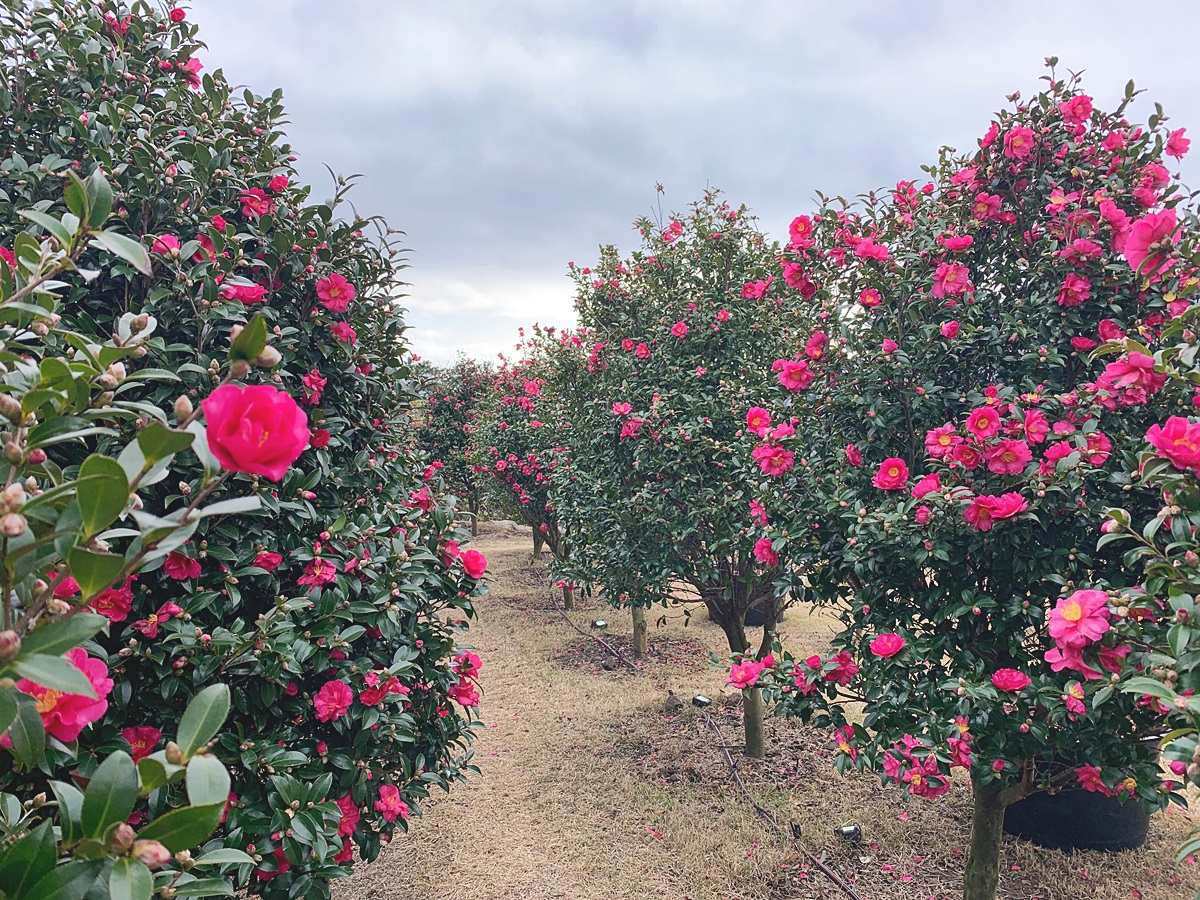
(158,442)
(56,638)
(100,199)
(182,829)
(127,248)
(249,345)
(224,857)
(70,810)
(55,672)
(203,718)
(207,780)
(94,571)
(130,880)
(103,493)
(27,861)
(52,225)
(110,795)
(70,881)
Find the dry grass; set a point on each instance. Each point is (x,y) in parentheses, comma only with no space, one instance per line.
(594,790)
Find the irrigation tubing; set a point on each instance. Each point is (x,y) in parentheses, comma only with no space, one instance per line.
(595,637)
(770,819)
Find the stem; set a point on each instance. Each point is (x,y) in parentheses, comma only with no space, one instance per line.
(641,641)
(752,712)
(987,826)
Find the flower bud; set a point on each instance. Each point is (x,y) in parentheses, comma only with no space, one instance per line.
(174,754)
(13,453)
(269,358)
(235,331)
(36,457)
(151,853)
(122,837)
(239,368)
(10,407)
(14,495)
(140,321)
(117,371)
(10,643)
(13,525)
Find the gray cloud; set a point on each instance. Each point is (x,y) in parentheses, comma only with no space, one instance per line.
(508,138)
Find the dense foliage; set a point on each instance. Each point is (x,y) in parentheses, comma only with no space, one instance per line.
(446,420)
(332,611)
(956,455)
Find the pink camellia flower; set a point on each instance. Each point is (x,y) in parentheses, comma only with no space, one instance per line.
(949,330)
(621,409)
(845,670)
(1009,457)
(474,564)
(1099,447)
(115,603)
(887,645)
(773,460)
(745,674)
(64,716)
(256,429)
(320,438)
(985,510)
(277,183)
(1177,441)
(190,71)
(758,420)
(958,242)
(1074,290)
(983,422)
(892,475)
(853,455)
(177,14)
(468,664)
(378,690)
(1019,143)
(142,740)
(966,455)
(1073,699)
(9,257)
(921,515)
(722,315)
(1036,426)
(1010,680)
(870,298)
(1080,619)
(794,374)
(764,554)
(350,815)
(814,348)
(464,693)
(165,245)
(389,805)
(313,385)
(941,441)
(927,485)
(318,572)
(333,700)
(679,329)
(343,332)
(758,513)
(255,203)
(181,567)
(890,346)
(1131,380)
(268,561)
(1151,238)
(951,279)
(335,292)
(243,293)
(1077,110)
(149,626)
(1177,144)
(801,232)
(1082,344)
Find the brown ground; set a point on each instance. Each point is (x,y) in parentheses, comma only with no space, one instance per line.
(595,788)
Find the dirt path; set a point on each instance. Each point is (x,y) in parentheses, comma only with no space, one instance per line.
(592,789)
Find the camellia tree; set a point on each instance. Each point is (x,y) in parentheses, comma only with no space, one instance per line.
(955,454)
(447,418)
(678,335)
(332,608)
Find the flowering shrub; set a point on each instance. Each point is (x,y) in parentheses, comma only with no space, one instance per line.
(331,608)
(677,335)
(69,535)
(446,422)
(957,451)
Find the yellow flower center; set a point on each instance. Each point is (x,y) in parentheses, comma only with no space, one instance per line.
(1072,611)
(48,701)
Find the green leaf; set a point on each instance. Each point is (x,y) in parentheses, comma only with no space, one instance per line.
(1149,686)
(127,248)
(70,809)
(76,196)
(230,507)
(55,638)
(70,881)
(94,571)
(55,672)
(155,771)
(157,441)
(202,719)
(249,345)
(8,708)
(26,732)
(100,199)
(103,493)
(182,829)
(207,781)
(130,880)
(224,857)
(110,795)
(203,452)
(52,225)
(205,887)
(28,860)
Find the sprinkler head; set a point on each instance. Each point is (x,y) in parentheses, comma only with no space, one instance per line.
(851,833)
(701,702)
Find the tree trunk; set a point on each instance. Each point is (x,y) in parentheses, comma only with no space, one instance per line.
(568,597)
(752,712)
(641,633)
(473,508)
(987,828)
(537,543)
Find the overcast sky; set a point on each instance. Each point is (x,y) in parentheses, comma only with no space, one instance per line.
(508,137)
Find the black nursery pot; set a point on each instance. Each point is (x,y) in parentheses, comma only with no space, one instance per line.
(1076,819)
